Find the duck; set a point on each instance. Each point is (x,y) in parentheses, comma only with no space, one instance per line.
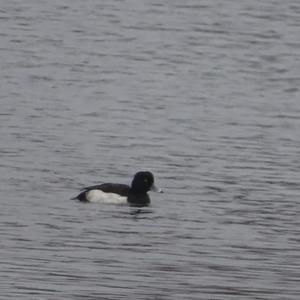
(116,193)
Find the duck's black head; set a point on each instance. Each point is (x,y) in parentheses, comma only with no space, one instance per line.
(142,182)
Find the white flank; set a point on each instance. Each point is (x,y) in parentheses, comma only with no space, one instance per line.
(100,196)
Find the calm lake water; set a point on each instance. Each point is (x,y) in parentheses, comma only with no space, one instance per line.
(205,94)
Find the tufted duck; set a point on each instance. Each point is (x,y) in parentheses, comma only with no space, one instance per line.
(135,195)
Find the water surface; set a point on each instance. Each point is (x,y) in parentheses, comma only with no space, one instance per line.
(204,94)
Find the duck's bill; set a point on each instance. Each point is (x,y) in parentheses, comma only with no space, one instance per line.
(156,189)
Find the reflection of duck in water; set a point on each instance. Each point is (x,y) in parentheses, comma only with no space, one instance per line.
(135,195)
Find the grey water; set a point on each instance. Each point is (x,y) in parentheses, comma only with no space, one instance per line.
(205,94)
